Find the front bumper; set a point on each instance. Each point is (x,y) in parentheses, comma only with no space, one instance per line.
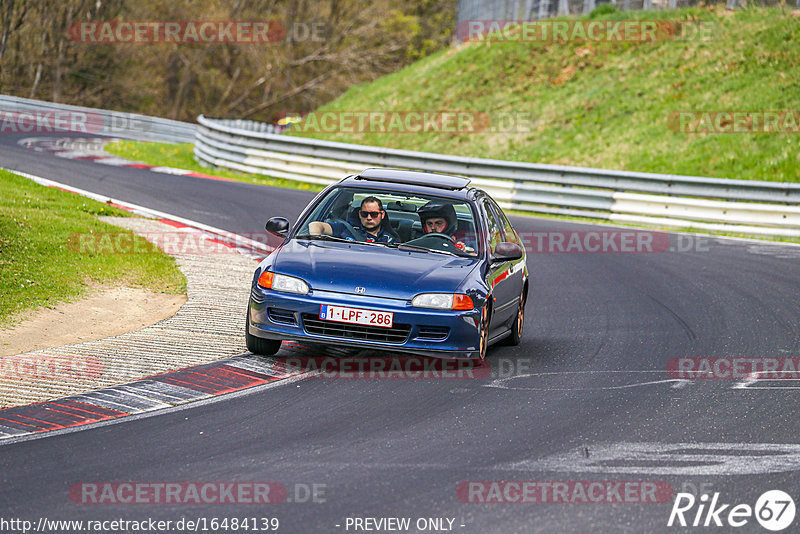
(284,316)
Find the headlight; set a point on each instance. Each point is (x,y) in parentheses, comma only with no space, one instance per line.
(443,301)
(282,282)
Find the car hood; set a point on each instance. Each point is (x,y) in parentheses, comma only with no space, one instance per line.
(380,271)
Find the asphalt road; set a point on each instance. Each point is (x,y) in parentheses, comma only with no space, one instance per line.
(585,397)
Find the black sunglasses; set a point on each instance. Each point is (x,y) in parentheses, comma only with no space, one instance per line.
(373,214)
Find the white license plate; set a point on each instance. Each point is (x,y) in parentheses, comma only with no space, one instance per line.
(343,314)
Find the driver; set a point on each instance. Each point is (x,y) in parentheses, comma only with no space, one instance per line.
(373,227)
(440,218)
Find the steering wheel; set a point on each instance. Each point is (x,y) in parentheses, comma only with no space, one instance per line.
(435,241)
(357,235)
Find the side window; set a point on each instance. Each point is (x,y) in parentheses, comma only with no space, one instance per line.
(508,231)
(495,230)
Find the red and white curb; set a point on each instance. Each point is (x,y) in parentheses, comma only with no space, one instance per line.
(91,149)
(163,391)
(249,247)
(156,392)
(150,394)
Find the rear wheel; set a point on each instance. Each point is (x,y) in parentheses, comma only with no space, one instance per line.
(257,345)
(483,344)
(519,322)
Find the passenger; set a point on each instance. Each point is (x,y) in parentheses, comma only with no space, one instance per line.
(373,227)
(440,218)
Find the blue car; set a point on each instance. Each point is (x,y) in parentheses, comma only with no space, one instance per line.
(393,260)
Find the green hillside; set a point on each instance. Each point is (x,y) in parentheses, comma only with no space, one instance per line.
(609,104)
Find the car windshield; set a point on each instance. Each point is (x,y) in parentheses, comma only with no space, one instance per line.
(394,219)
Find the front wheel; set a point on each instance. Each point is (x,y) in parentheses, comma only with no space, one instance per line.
(257,345)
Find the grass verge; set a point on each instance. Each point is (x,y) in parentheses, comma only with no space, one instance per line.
(40,266)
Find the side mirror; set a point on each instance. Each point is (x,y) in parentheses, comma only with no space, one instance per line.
(506,251)
(278,226)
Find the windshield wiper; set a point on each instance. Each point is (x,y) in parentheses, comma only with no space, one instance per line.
(405,246)
(400,246)
(324,237)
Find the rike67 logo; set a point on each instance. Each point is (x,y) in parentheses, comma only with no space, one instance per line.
(774,510)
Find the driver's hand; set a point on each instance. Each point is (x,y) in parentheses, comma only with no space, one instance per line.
(465,248)
(319,228)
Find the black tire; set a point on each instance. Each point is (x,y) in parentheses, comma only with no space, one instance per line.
(257,345)
(519,323)
(483,343)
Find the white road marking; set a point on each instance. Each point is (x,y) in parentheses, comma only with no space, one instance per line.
(643,458)
(754,378)
(502,383)
(748,384)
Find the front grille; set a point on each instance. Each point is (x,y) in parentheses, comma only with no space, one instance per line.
(396,334)
(278,315)
(434,333)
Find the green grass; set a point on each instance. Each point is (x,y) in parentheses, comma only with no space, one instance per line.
(40,262)
(607,104)
(181,156)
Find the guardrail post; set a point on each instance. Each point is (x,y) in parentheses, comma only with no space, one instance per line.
(527,13)
(588,6)
(544,9)
(563,7)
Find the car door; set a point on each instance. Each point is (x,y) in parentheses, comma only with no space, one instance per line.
(518,269)
(504,298)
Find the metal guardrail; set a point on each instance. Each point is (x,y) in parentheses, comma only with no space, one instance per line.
(527,10)
(23,115)
(753,207)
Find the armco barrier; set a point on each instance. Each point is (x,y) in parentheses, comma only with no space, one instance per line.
(752,207)
(99,121)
